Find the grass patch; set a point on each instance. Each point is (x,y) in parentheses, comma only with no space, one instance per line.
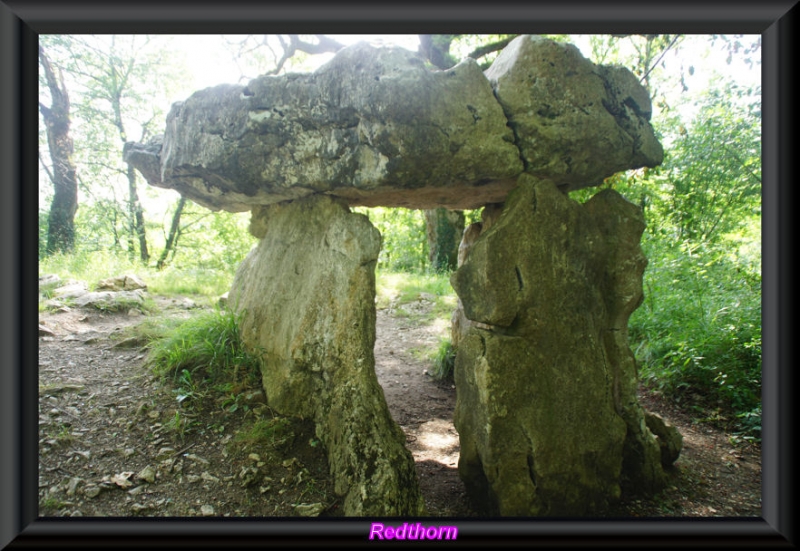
(198,282)
(51,503)
(65,435)
(205,363)
(444,361)
(275,433)
(150,329)
(396,289)
(202,358)
(94,266)
(205,348)
(89,266)
(180,423)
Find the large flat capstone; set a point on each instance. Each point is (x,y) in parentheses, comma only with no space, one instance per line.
(376,127)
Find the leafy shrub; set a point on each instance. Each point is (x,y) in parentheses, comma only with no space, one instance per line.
(698,332)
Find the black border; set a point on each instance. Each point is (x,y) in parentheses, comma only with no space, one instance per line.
(22,22)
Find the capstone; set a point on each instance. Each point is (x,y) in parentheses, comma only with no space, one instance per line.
(375,127)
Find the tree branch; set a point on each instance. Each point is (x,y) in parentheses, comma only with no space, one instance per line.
(744,167)
(44,166)
(325,45)
(653,66)
(489,48)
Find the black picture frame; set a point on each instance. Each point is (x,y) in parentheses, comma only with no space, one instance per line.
(22,21)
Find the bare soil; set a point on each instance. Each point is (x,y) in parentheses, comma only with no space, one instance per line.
(115,442)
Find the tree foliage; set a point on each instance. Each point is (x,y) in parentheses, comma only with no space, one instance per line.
(118,83)
(713,173)
(404,247)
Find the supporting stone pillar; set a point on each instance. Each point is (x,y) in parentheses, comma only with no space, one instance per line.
(459,324)
(546,408)
(306,295)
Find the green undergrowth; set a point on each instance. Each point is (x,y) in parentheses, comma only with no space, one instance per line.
(203,362)
(444,360)
(151,329)
(697,336)
(273,432)
(397,289)
(208,347)
(94,266)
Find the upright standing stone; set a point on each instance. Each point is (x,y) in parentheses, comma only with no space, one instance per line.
(546,408)
(459,324)
(306,295)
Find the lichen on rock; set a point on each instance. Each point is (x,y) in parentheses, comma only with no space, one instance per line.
(375,127)
(574,122)
(306,297)
(546,411)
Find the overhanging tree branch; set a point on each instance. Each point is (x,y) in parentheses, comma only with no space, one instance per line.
(663,53)
(296,44)
(490,48)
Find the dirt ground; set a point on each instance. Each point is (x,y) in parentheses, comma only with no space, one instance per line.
(115,442)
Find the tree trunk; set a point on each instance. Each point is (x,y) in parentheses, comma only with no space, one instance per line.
(443,228)
(136,227)
(137,215)
(117,243)
(61,220)
(436,49)
(172,238)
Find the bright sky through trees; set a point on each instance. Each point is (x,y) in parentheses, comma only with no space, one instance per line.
(211,64)
(210,60)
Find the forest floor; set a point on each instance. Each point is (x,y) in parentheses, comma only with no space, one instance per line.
(114,440)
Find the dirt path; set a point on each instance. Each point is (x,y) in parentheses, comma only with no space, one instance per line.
(113,442)
(424,409)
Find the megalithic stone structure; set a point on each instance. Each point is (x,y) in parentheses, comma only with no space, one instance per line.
(547,412)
